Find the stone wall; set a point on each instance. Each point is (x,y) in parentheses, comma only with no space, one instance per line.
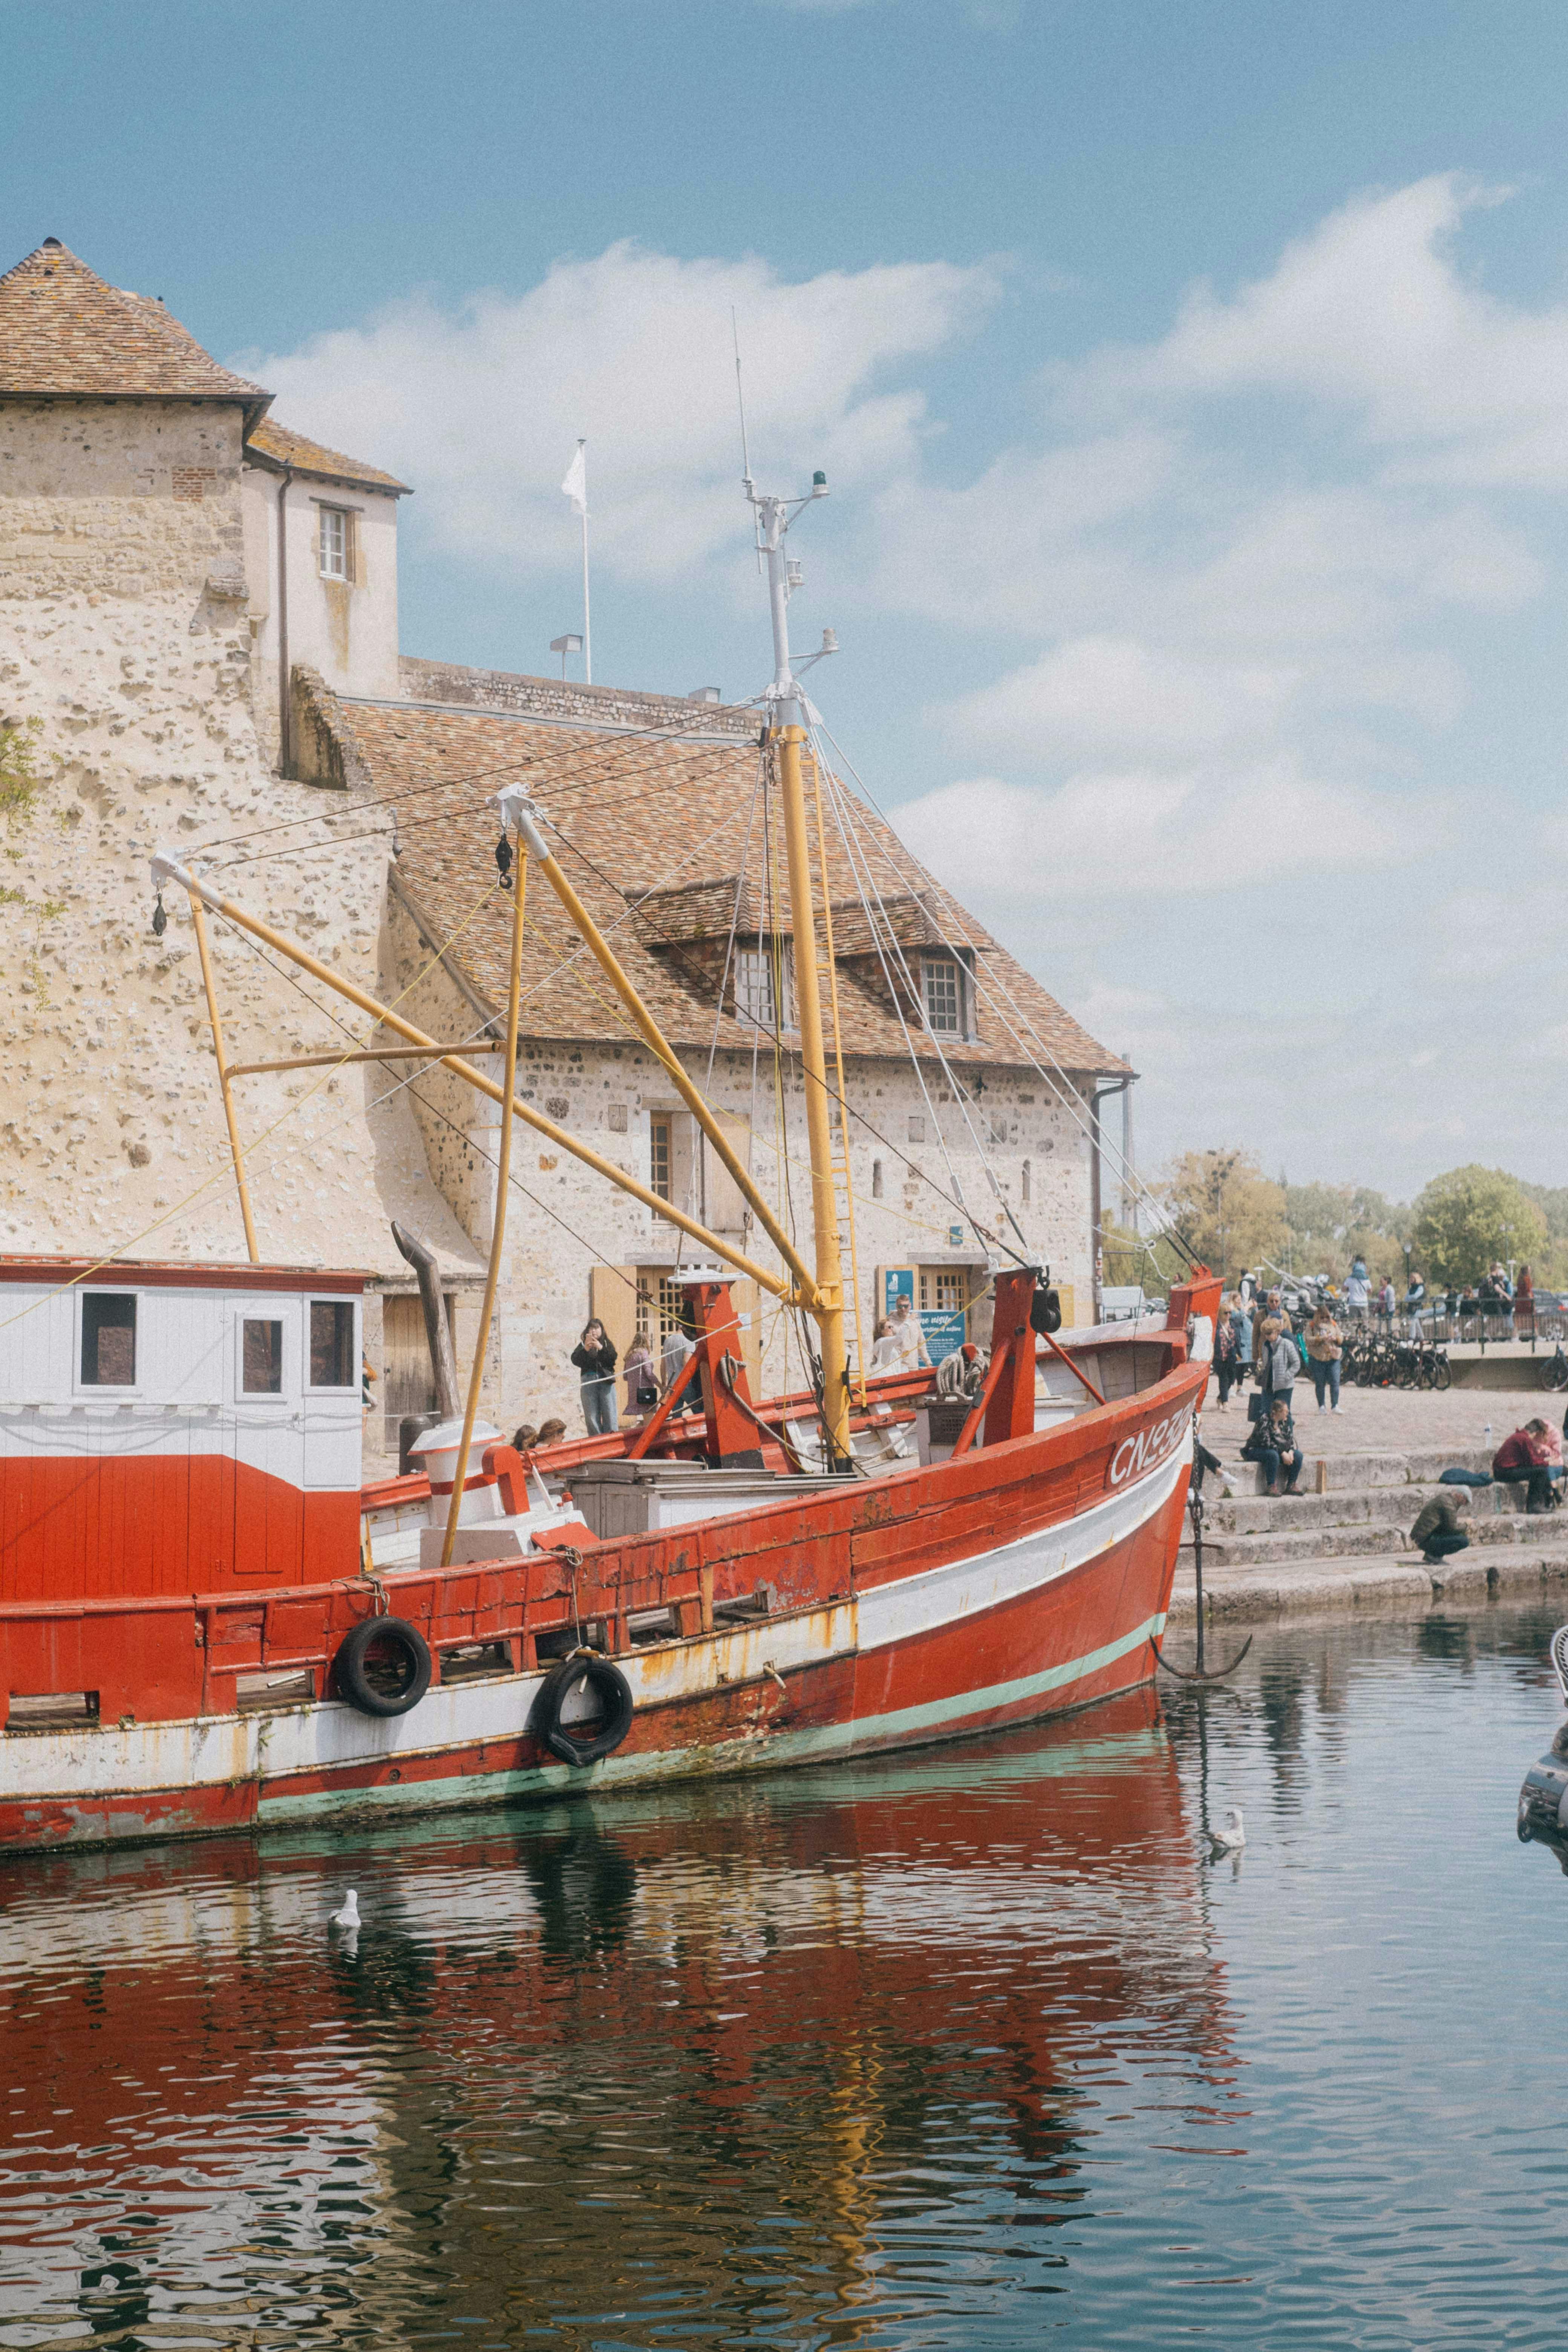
(125,653)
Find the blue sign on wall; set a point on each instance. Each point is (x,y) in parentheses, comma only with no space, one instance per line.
(898,1282)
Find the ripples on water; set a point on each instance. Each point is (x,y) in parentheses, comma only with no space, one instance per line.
(964,2051)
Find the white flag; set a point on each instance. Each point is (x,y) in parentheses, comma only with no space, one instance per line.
(575,486)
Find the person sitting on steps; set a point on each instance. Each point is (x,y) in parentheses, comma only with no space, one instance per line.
(1524,1460)
(1273,1444)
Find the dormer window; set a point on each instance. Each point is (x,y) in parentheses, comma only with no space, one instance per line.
(336,543)
(944,982)
(757,973)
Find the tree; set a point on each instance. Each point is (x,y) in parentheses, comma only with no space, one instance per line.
(1471,1216)
(1228,1212)
(1333,1225)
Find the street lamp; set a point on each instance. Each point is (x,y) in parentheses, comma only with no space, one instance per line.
(570,644)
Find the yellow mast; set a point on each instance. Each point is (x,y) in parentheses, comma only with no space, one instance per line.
(508,795)
(224,1074)
(829,1305)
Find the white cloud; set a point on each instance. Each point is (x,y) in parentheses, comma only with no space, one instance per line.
(1369,312)
(480,407)
(1113,695)
(1135,831)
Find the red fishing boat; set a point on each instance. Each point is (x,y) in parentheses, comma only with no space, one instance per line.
(205,1624)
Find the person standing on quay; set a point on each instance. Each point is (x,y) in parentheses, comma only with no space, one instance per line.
(1278,1362)
(1414,1299)
(595,1357)
(1325,1342)
(1225,1369)
(1358,1291)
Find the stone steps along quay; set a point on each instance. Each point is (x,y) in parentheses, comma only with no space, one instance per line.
(1347,1547)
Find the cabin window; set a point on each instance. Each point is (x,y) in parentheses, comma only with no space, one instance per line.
(261,1358)
(332,1362)
(109,1340)
(336,543)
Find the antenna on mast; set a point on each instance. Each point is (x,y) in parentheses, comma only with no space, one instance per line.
(740,401)
(746,483)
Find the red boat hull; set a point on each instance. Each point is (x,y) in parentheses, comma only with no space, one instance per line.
(1025,1581)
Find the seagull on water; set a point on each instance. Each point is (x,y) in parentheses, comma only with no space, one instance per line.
(347,1917)
(1232,1838)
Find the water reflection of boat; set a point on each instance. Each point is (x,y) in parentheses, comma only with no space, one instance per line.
(649,2025)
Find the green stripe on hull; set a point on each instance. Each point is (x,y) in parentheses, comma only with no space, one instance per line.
(819,1744)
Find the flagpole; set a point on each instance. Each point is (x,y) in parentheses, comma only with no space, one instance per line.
(587,631)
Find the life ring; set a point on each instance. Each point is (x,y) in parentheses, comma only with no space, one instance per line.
(585,1669)
(383,1666)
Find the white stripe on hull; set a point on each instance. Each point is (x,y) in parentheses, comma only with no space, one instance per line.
(946,1595)
(328,1736)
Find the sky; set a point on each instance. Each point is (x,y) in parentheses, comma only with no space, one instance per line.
(1192,382)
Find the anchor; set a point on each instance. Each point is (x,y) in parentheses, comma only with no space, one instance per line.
(1202,1460)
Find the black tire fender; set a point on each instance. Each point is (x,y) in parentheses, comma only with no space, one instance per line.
(614,1695)
(383,1666)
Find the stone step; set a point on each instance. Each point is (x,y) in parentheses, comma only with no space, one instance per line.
(1370,1538)
(1367,1581)
(1393,1506)
(1349,1471)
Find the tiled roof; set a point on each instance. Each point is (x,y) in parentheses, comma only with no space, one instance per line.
(635,814)
(65,332)
(277,447)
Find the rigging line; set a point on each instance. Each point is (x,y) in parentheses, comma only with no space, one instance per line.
(1065,1092)
(851,845)
(673,729)
(918,998)
(734,917)
(396,828)
(1070,1099)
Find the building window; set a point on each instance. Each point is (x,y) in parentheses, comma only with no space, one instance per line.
(876,1179)
(659,1155)
(942,978)
(261,1359)
(662,1304)
(941,1291)
(337,543)
(1027,1182)
(109,1340)
(332,1362)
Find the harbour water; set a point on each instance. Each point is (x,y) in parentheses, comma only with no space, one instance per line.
(976,2049)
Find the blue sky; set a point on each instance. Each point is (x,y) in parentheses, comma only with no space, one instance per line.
(1192,381)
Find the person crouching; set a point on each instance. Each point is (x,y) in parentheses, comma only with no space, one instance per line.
(1273,1444)
(1438,1532)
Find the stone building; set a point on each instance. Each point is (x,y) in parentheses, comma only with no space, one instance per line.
(198,639)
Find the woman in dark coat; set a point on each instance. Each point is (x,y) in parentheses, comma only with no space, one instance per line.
(595,1357)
